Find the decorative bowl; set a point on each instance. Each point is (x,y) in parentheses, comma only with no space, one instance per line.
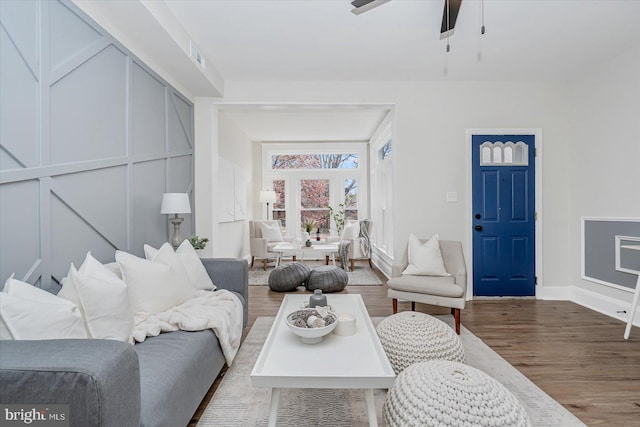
(311,335)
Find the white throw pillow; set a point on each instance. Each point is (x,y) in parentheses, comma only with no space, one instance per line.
(351,231)
(153,286)
(191,261)
(271,232)
(104,300)
(30,313)
(166,255)
(114,268)
(425,259)
(93,267)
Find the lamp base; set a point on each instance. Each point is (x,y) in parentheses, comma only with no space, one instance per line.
(175,240)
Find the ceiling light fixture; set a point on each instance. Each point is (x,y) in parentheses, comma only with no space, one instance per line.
(361,6)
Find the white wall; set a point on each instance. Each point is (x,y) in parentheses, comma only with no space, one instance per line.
(604,157)
(235,146)
(430,144)
(205,160)
(585,124)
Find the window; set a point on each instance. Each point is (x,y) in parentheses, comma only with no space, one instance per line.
(381,193)
(385,151)
(279,206)
(351,199)
(314,202)
(309,177)
(314,161)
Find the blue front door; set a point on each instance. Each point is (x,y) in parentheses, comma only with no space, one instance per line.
(503,185)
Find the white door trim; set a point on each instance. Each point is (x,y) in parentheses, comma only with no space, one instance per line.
(537,132)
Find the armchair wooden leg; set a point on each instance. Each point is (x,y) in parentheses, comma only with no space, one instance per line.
(252,259)
(353,264)
(413,306)
(295,258)
(264,264)
(395,305)
(456,315)
(326,260)
(370,264)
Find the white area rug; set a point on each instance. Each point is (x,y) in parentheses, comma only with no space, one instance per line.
(238,403)
(361,276)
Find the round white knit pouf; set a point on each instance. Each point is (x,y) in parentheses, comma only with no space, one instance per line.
(409,337)
(442,393)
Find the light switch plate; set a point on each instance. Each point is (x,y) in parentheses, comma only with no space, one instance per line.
(452,196)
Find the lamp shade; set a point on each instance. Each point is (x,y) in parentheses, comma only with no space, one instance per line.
(175,203)
(267,196)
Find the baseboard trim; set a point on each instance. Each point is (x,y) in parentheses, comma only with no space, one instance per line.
(554,293)
(604,304)
(382,261)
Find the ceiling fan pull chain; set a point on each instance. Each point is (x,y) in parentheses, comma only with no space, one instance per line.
(448,28)
(482,30)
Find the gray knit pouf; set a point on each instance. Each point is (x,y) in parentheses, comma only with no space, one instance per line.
(409,337)
(443,393)
(329,278)
(287,278)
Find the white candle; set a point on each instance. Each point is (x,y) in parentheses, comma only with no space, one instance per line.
(346,324)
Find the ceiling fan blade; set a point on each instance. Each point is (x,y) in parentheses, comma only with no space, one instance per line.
(449,24)
(361,6)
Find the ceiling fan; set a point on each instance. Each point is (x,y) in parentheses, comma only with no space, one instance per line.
(449,14)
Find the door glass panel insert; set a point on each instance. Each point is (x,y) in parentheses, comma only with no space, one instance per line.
(504,154)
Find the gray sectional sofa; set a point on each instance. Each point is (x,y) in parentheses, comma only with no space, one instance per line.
(106,383)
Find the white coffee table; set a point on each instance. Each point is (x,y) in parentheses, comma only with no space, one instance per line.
(287,249)
(352,362)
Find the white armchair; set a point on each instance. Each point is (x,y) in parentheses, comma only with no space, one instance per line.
(448,291)
(355,249)
(261,247)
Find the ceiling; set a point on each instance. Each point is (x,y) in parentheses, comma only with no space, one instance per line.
(320,40)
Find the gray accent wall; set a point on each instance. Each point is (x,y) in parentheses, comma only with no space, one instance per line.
(90,139)
(599,251)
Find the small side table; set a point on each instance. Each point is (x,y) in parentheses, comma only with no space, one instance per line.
(636,296)
(632,312)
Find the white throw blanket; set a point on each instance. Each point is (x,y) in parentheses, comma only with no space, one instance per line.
(219,310)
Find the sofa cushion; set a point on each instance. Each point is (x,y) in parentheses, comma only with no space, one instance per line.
(432,285)
(271,245)
(176,370)
(196,271)
(98,379)
(104,303)
(184,260)
(30,313)
(102,298)
(153,287)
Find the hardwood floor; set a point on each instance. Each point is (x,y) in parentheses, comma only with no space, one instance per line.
(575,355)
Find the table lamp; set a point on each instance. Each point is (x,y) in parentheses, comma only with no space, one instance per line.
(175,203)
